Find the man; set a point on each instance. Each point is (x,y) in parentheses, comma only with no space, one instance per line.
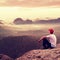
(50,40)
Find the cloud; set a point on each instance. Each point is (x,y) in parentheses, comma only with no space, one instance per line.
(20,0)
(2,1)
(30,3)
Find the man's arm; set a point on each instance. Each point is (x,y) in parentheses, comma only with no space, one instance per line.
(41,38)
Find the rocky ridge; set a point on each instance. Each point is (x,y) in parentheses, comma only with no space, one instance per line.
(41,54)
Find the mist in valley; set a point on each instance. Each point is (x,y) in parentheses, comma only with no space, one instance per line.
(15,40)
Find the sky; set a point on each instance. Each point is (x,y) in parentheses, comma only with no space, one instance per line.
(29,9)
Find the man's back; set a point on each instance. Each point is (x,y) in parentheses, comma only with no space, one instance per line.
(52,39)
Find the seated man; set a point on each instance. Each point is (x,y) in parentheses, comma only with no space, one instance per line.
(50,40)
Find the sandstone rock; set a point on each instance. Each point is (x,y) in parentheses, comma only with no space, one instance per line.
(5,57)
(47,54)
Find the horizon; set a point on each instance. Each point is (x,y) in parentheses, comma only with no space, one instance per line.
(11,13)
(26,9)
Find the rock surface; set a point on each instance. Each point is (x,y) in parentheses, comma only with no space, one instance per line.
(40,54)
(5,57)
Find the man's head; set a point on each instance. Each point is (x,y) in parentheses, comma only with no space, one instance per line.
(51,31)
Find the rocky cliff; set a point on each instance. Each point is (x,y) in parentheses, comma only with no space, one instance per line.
(5,57)
(41,54)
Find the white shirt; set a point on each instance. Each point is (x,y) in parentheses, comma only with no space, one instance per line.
(53,40)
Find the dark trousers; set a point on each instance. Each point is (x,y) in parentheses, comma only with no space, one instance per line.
(46,44)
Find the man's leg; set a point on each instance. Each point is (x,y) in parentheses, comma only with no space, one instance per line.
(51,46)
(46,43)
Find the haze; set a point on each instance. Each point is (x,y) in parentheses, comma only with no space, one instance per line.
(29,9)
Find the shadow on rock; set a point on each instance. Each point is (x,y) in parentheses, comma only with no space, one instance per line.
(17,45)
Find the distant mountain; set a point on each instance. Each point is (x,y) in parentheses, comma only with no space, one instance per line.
(21,21)
(48,21)
(28,21)
(18,21)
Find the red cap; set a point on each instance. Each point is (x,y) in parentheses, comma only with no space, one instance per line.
(51,30)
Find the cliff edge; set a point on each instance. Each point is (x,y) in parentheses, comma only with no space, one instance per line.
(42,54)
